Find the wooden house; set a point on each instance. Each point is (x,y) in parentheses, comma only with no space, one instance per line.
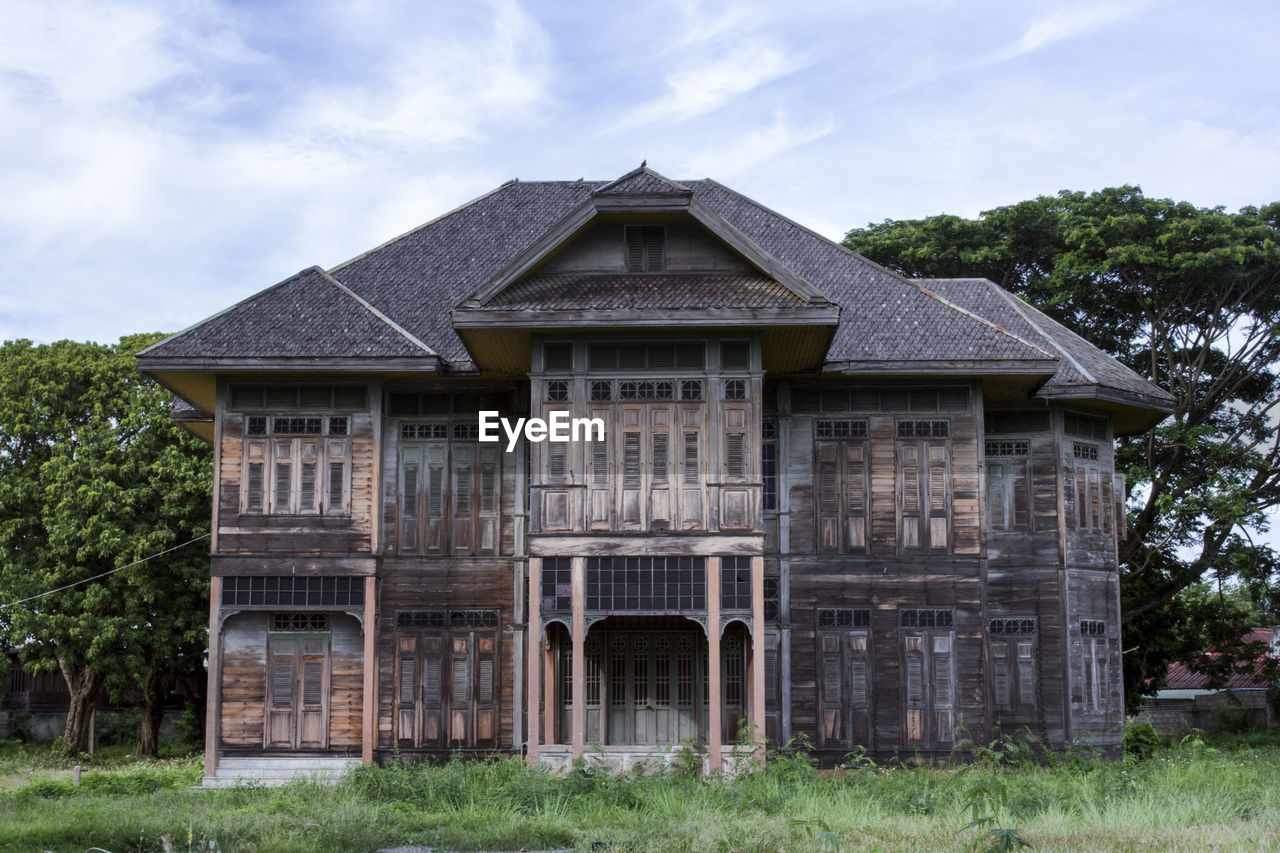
(828,501)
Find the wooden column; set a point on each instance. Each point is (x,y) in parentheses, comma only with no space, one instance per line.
(214,692)
(369,732)
(757,654)
(535,663)
(715,703)
(579,734)
(549,707)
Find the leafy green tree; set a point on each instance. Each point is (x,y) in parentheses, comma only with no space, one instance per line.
(1190,298)
(94,477)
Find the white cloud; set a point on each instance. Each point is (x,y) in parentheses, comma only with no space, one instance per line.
(729,158)
(706,84)
(1071,22)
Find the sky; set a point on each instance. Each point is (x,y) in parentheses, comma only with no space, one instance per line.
(159,162)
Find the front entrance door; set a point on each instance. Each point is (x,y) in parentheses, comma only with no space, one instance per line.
(642,687)
(298,688)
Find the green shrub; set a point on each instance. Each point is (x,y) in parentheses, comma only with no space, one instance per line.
(1140,740)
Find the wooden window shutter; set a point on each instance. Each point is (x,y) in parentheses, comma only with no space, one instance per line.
(409,468)
(856,495)
(1122,520)
(1082,499)
(942,676)
(734,458)
(915,671)
(1000,674)
(997,502)
(1106,508)
(939,496)
(659,458)
(253,488)
(462,488)
(909,495)
(282,680)
(307,499)
(435,491)
(313,682)
(631,459)
(431,694)
(485,681)
(284,482)
(556,460)
(407,669)
(831,672)
(828,497)
(691,474)
(1021,495)
(337,482)
(600,463)
(461,693)
(1026,675)
(858,697)
(488,488)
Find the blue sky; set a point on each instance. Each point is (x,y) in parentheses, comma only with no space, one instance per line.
(159,162)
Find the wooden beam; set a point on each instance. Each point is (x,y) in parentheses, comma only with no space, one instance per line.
(369,731)
(595,545)
(715,702)
(535,665)
(213,709)
(757,654)
(579,658)
(801,315)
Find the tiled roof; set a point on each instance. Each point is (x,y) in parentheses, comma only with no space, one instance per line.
(408,286)
(307,315)
(1181,677)
(1083,363)
(614,290)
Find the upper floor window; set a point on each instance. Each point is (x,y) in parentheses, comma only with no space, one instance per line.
(605,357)
(296,465)
(292,397)
(646,248)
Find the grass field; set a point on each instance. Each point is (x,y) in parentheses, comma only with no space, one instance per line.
(1219,793)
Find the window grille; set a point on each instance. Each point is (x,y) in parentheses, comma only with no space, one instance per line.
(337,426)
(844,617)
(423,432)
(638,389)
(557,584)
(256,425)
(1010,627)
(772,601)
(690,389)
(558,390)
(1080,450)
(1002,423)
(1007,447)
(296,426)
(299,621)
(1093,627)
(343,397)
(815,400)
(601,391)
(689,355)
(466,432)
(927,618)
(924,429)
(769,471)
(1084,426)
(841,428)
(735,389)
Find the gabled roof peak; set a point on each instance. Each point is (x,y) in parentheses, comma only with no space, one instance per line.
(643,181)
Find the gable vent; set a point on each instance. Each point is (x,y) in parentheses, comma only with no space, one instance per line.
(645,245)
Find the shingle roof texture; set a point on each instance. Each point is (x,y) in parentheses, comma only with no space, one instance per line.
(418,278)
(307,315)
(615,291)
(1084,363)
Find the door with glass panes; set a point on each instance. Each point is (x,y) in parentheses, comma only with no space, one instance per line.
(298,692)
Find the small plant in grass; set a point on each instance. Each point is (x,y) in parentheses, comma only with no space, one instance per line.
(988,800)
(820,832)
(1140,740)
(687,758)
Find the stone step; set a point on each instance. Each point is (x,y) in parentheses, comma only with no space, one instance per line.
(288,763)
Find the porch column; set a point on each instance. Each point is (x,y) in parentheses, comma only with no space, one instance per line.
(535,653)
(757,654)
(213,693)
(715,757)
(579,658)
(369,729)
(549,707)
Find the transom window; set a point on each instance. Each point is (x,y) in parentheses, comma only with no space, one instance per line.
(609,357)
(1002,423)
(735,583)
(424,431)
(927,618)
(1008,627)
(1093,627)
(292,591)
(1007,447)
(1081,450)
(735,389)
(924,429)
(419,619)
(841,428)
(844,617)
(558,390)
(557,584)
(284,397)
(807,400)
(299,621)
(1084,426)
(646,583)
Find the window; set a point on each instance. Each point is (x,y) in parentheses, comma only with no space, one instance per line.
(735,355)
(841,428)
(299,621)
(1095,671)
(844,676)
(646,583)
(292,591)
(1081,450)
(557,357)
(646,246)
(449,487)
(557,584)
(923,487)
(1012,643)
(608,357)
(284,397)
(601,391)
(928,643)
(690,389)
(646,389)
(769,466)
(1007,447)
(844,617)
(735,583)
(735,389)
(1084,426)
(843,487)
(814,400)
(924,429)
(296,465)
(446,678)
(558,390)
(1015,423)
(772,599)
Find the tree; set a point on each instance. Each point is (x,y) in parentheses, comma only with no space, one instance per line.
(1188,297)
(94,476)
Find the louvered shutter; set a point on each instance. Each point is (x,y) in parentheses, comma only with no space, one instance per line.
(282,680)
(1021,495)
(313,682)
(253,488)
(1026,675)
(909,495)
(1000,674)
(410,461)
(856,496)
(939,496)
(828,497)
(734,459)
(660,458)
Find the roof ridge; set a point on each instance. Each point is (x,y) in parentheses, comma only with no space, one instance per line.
(375,312)
(983,320)
(251,297)
(642,169)
(1017,304)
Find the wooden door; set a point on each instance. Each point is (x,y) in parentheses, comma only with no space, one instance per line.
(929,688)
(298,704)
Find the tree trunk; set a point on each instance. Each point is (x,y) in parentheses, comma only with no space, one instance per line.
(152,713)
(83,684)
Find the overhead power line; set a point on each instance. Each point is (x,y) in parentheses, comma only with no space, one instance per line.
(103,575)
